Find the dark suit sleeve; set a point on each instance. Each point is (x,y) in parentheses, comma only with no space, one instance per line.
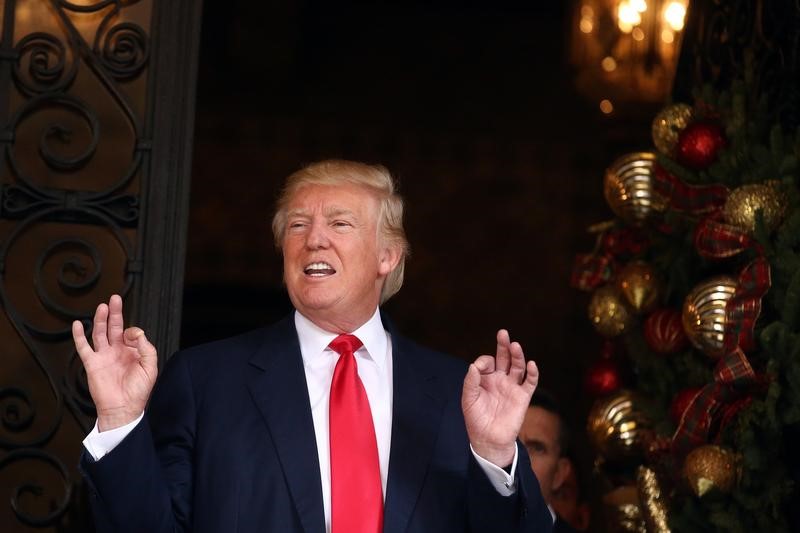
(490,512)
(134,489)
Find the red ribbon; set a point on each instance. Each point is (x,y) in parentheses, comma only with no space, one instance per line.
(697,200)
(590,271)
(716,240)
(713,239)
(716,404)
(742,310)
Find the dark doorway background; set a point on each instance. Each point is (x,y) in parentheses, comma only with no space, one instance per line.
(471,106)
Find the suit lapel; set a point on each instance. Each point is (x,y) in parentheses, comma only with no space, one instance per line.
(416,412)
(277,384)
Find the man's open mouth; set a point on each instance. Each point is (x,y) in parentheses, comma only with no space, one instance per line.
(319,269)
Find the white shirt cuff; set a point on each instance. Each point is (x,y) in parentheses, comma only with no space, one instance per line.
(503,482)
(101,444)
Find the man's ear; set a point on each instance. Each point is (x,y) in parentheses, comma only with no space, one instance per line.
(563,469)
(389,259)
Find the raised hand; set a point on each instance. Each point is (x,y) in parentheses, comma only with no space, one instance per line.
(121,369)
(496,395)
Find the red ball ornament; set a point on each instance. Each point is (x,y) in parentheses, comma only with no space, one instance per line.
(681,402)
(699,144)
(663,331)
(603,377)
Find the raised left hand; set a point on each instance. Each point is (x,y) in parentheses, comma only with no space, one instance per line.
(496,395)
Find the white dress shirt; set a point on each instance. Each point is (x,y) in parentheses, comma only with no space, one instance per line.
(374,360)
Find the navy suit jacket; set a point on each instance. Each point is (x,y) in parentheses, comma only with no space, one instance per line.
(228,446)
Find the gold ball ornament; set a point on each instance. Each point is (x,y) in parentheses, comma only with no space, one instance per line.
(608,312)
(668,124)
(628,188)
(711,467)
(743,202)
(640,286)
(617,426)
(703,314)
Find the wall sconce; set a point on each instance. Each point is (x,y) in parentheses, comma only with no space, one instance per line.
(626,51)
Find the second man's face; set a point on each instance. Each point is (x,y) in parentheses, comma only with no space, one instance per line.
(539,434)
(334,263)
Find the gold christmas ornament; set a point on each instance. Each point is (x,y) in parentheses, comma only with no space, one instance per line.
(640,286)
(668,124)
(743,202)
(704,314)
(711,467)
(617,426)
(652,501)
(622,510)
(609,312)
(628,188)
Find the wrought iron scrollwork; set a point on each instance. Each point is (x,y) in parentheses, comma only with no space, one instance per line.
(77,274)
(46,58)
(18,202)
(53,134)
(55,131)
(37,490)
(124,50)
(16,409)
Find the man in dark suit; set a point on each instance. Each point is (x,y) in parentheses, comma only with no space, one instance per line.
(545,435)
(329,420)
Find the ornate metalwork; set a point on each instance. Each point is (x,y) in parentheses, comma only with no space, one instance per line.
(70,202)
(37,490)
(46,64)
(124,50)
(757,41)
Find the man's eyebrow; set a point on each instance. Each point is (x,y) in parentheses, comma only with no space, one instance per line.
(338,211)
(298,212)
(530,441)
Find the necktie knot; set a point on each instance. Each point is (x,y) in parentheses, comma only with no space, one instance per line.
(346,343)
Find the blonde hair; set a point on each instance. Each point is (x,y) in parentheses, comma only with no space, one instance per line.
(374,178)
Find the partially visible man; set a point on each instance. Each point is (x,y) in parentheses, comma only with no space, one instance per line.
(545,435)
(328,421)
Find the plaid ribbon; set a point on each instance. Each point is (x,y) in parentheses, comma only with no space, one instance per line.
(714,239)
(742,310)
(694,199)
(589,271)
(716,403)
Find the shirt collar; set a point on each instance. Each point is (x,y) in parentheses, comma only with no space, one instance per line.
(315,340)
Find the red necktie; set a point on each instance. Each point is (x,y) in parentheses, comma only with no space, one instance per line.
(356,493)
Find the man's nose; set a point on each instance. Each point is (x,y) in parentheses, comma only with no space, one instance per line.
(317,236)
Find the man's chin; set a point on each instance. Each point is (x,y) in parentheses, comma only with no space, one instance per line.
(315,303)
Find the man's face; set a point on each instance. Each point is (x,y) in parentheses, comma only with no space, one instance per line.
(334,262)
(539,434)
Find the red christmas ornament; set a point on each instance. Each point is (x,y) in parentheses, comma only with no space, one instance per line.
(681,402)
(663,331)
(603,377)
(699,144)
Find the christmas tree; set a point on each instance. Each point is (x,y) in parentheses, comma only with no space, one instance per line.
(696,287)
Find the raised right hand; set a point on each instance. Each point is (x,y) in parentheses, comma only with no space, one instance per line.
(121,369)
